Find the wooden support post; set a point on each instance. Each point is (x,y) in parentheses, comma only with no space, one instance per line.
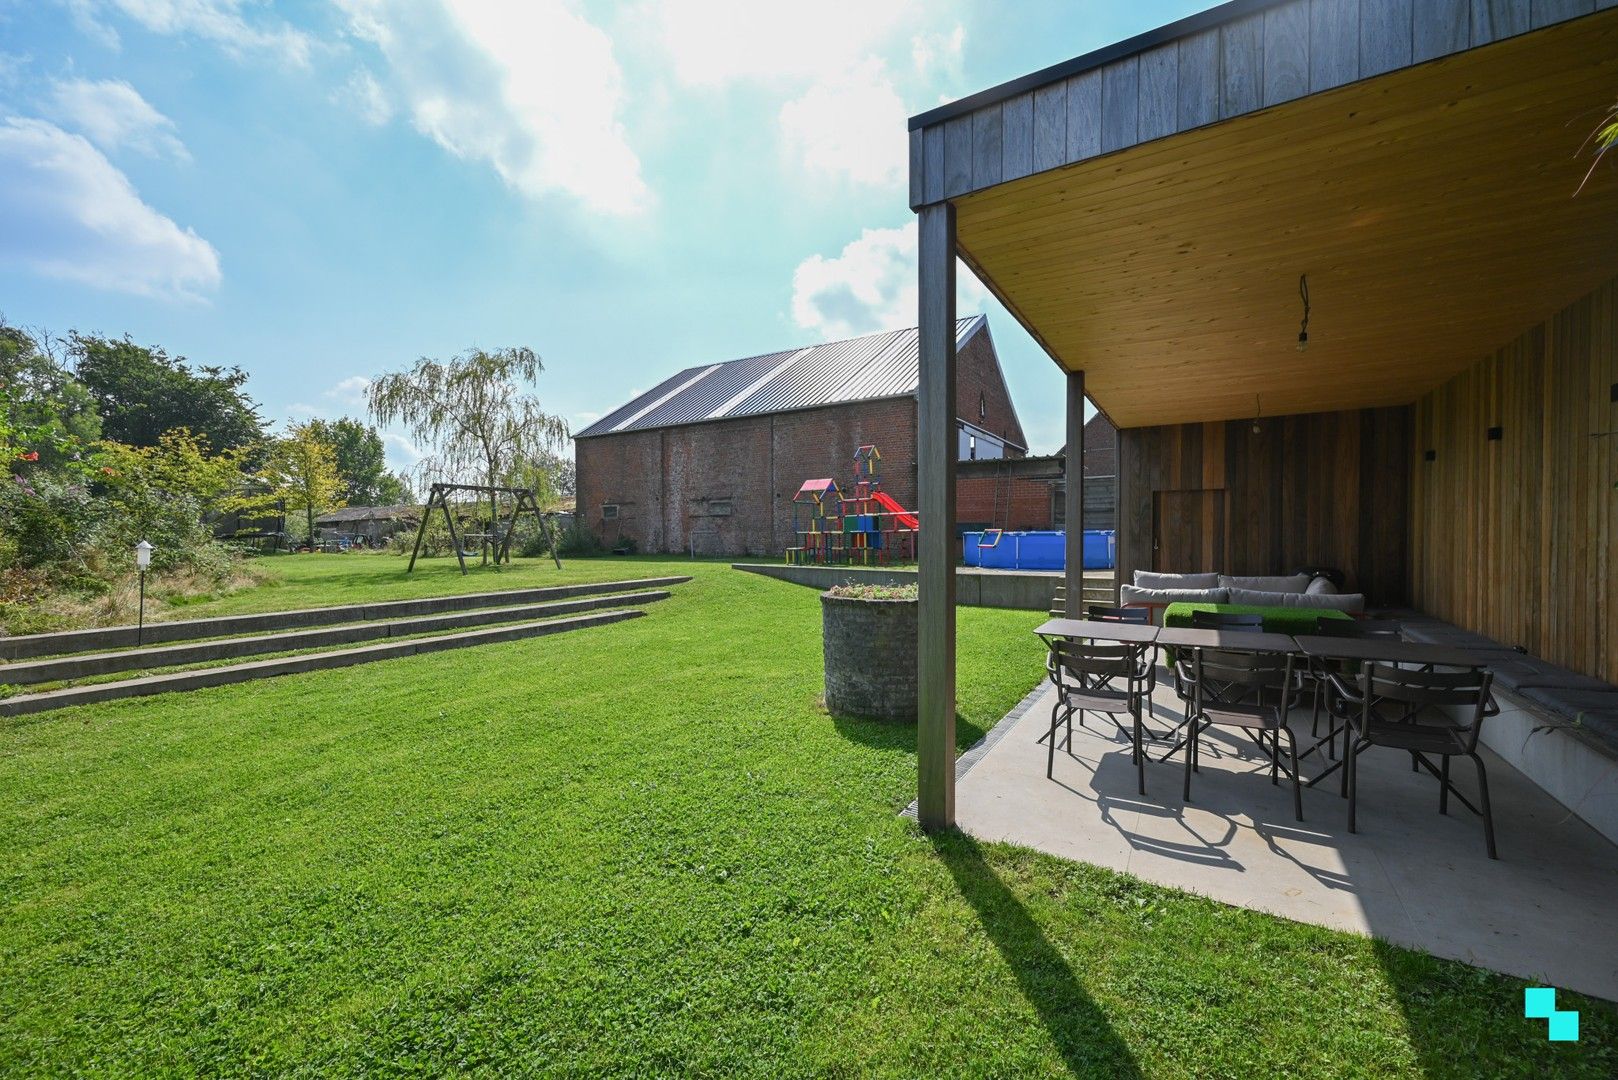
(1073,496)
(454,538)
(421,532)
(935,479)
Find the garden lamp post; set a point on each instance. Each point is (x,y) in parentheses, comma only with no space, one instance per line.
(143,559)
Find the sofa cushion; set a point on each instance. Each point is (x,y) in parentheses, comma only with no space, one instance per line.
(1351,602)
(1134,594)
(1291,583)
(1321,586)
(1575,702)
(1145,579)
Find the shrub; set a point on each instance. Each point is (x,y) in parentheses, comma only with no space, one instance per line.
(579,542)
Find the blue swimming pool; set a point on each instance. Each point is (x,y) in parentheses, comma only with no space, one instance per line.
(1038,550)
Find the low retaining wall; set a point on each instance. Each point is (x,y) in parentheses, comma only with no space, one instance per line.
(123,637)
(1024,590)
(85,664)
(1576,769)
(291,665)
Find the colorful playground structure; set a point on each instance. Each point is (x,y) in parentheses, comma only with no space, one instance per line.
(864,526)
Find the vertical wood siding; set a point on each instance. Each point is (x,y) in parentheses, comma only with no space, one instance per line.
(1513,537)
(1325,489)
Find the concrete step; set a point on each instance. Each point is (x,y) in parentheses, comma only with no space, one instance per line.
(83,665)
(289,665)
(123,637)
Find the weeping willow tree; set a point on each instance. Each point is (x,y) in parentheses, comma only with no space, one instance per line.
(471,415)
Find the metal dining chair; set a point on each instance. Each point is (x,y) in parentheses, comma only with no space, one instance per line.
(1227,620)
(1100,613)
(1087,677)
(1333,680)
(1221,683)
(1422,696)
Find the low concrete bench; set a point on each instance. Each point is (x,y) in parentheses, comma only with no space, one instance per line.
(1556,726)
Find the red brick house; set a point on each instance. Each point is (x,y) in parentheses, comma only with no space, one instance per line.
(708,461)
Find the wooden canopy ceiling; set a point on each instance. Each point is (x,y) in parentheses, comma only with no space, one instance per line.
(1433,210)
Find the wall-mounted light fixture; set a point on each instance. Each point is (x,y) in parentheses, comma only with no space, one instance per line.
(1303,330)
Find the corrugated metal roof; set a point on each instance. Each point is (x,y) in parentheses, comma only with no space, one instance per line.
(874,366)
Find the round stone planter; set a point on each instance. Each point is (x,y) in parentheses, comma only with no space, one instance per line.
(870,648)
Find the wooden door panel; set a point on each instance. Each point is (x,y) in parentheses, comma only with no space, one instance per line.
(1188,531)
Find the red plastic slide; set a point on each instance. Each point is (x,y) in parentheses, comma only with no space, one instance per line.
(887,502)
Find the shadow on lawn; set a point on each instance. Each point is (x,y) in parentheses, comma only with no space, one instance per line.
(887,735)
(1082,1034)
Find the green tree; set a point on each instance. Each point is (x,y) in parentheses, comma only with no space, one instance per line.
(471,413)
(302,470)
(143,392)
(360,462)
(163,493)
(393,489)
(39,395)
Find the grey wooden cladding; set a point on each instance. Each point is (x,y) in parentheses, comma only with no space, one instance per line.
(1252,62)
(1159,93)
(1334,43)
(1197,82)
(1241,60)
(1017,137)
(1286,53)
(1386,33)
(1441,27)
(1084,116)
(958,156)
(1546,12)
(1050,126)
(987,146)
(1120,104)
(932,155)
(1493,20)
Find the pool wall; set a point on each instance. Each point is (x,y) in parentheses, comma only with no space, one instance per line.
(1038,550)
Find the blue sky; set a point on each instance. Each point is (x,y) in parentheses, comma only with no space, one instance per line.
(318,192)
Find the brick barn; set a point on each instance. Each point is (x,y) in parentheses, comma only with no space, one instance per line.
(708,461)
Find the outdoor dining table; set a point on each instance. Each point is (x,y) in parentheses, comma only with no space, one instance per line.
(1377,650)
(1099,630)
(1177,637)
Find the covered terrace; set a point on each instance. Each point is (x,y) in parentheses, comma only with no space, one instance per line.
(1401,183)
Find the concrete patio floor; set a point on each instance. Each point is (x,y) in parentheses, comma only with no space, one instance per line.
(1409,876)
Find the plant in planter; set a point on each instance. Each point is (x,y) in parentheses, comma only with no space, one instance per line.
(869,634)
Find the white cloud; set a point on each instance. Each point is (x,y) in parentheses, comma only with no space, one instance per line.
(365,96)
(715,42)
(531,89)
(70,214)
(218,21)
(939,54)
(113,115)
(351,391)
(401,454)
(869,286)
(849,125)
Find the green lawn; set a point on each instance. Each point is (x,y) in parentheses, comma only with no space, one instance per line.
(636,849)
